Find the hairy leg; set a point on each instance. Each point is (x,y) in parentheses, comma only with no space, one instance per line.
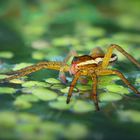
(73,83)
(121,50)
(122,77)
(30,69)
(94,91)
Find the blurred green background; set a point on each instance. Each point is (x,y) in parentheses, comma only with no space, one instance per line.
(43,30)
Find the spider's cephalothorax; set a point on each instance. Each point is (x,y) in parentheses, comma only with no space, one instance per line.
(85,62)
(94,65)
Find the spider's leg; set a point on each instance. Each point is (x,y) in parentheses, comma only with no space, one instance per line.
(122,77)
(22,72)
(77,75)
(61,72)
(94,91)
(30,69)
(121,50)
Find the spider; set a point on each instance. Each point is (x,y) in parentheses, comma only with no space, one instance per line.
(93,65)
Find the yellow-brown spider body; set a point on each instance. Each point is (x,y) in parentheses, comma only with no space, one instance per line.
(92,65)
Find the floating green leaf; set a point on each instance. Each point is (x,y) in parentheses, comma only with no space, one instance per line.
(28,98)
(7,90)
(64,90)
(129,116)
(62,98)
(28,118)
(117,89)
(83,107)
(76,131)
(109,96)
(95,32)
(21,104)
(34,84)
(6,54)
(52,81)
(84,87)
(16,81)
(63,41)
(44,94)
(7,119)
(137,81)
(21,65)
(2,76)
(60,105)
(57,86)
(38,55)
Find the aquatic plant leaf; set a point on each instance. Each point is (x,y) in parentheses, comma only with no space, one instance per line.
(83,87)
(7,90)
(109,96)
(60,105)
(28,98)
(117,89)
(64,90)
(72,133)
(6,54)
(129,116)
(7,119)
(82,107)
(44,94)
(21,104)
(52,81)
(34,84)
(21,65)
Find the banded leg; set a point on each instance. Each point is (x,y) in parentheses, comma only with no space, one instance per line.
(121,50)
(73,83)
(122,77)
(30,69)
(23,72)
(94,91)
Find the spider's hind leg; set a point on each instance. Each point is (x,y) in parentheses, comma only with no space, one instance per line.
(122,77)
(94,91)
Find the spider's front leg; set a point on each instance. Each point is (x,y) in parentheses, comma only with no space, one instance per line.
(73,83)
(108,55)
(33,68)
(94,91)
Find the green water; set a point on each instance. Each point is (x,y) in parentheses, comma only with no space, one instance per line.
(34,107)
